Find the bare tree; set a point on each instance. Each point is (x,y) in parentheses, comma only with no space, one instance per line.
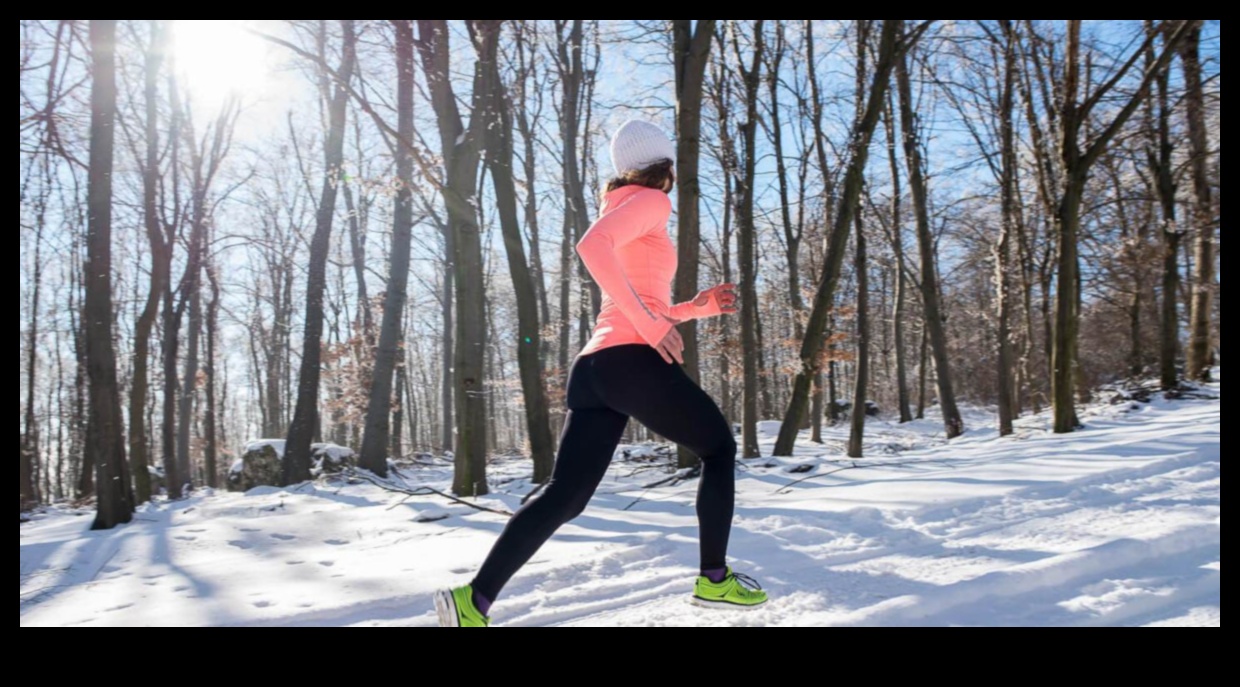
(377,437)
(160,267)
(901,278)
(751,80)
(1199,356)
(934,317)
(105,430)
(305,421)
(461,159)
(889,49)
(690,54)
(1159,150)
(1077,158)
(1003,260)
(856,433)
(498,144)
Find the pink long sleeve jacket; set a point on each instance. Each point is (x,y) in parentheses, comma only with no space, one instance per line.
(633,260)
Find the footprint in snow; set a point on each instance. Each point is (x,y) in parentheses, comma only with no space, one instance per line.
(327,564)
(186,538)
(294,562)
(118,608)
(283,537)
(336,542)
(241,544)
(263,604)
(247,529)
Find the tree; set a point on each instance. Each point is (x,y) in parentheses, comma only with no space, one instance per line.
(751,79)
(690,55)
(569,62)
(856,433)
(1199,357)
(104,430)
(1003,260)
(305,421)
(160,265)
(897,250)
(810,360)
(498,143)
(934,317)
(1077,158)
(1159,151)
(461,159)
(376,440)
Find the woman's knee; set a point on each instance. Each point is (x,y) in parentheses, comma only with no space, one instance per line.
(723,450)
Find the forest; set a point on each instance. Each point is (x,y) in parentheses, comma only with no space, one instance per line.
(361,232)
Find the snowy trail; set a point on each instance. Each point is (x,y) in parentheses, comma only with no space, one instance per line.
(1116,525)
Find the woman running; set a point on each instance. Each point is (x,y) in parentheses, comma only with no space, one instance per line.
(629,368)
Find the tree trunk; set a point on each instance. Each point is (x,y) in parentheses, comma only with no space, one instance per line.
(210,449)
(1076,163)
(934,319)
(897,249)
(1199,358)
(28,454)
(569,53)
(816,409)
(189,380)
(1160,150)
(105,431)
(304,426)
(856,434)
(841,226)
(499,147)
(1003,261)
(690,55)
(459,147)
(160,267)
(377,437)
(403,403)
(922,371)
(526,124)
(746,234)
(447,428)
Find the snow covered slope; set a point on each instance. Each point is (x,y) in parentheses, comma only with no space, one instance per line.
(1119,524)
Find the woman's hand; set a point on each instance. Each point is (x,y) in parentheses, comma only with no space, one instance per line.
(723,296)
(672,347)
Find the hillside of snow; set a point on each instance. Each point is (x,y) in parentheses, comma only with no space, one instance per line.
(1119,524)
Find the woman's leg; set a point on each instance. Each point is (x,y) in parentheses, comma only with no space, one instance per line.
(635,380)
(586,447)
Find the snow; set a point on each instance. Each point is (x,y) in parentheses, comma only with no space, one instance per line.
(275,444)
(1119,524)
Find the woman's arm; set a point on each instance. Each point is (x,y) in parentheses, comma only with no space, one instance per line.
(719,300)
(631,220)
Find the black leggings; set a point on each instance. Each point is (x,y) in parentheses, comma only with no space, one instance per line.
(605,389)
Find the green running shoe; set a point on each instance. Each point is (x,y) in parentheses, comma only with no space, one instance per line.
(456,608)
(736,591)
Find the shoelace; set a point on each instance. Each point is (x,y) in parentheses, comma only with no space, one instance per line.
(747,582)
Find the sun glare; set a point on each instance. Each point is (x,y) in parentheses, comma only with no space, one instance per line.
(218,59)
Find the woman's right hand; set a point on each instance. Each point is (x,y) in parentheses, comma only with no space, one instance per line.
(672,347)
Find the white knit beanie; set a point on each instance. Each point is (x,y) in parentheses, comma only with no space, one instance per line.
(638,144)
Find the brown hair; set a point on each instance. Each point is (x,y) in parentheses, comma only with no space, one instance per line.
(660,175)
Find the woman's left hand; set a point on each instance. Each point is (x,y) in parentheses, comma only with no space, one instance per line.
(724,296)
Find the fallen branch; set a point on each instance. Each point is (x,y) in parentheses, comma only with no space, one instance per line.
(420,491)
(787,488)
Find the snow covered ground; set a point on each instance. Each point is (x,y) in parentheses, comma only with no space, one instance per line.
(1119,524)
